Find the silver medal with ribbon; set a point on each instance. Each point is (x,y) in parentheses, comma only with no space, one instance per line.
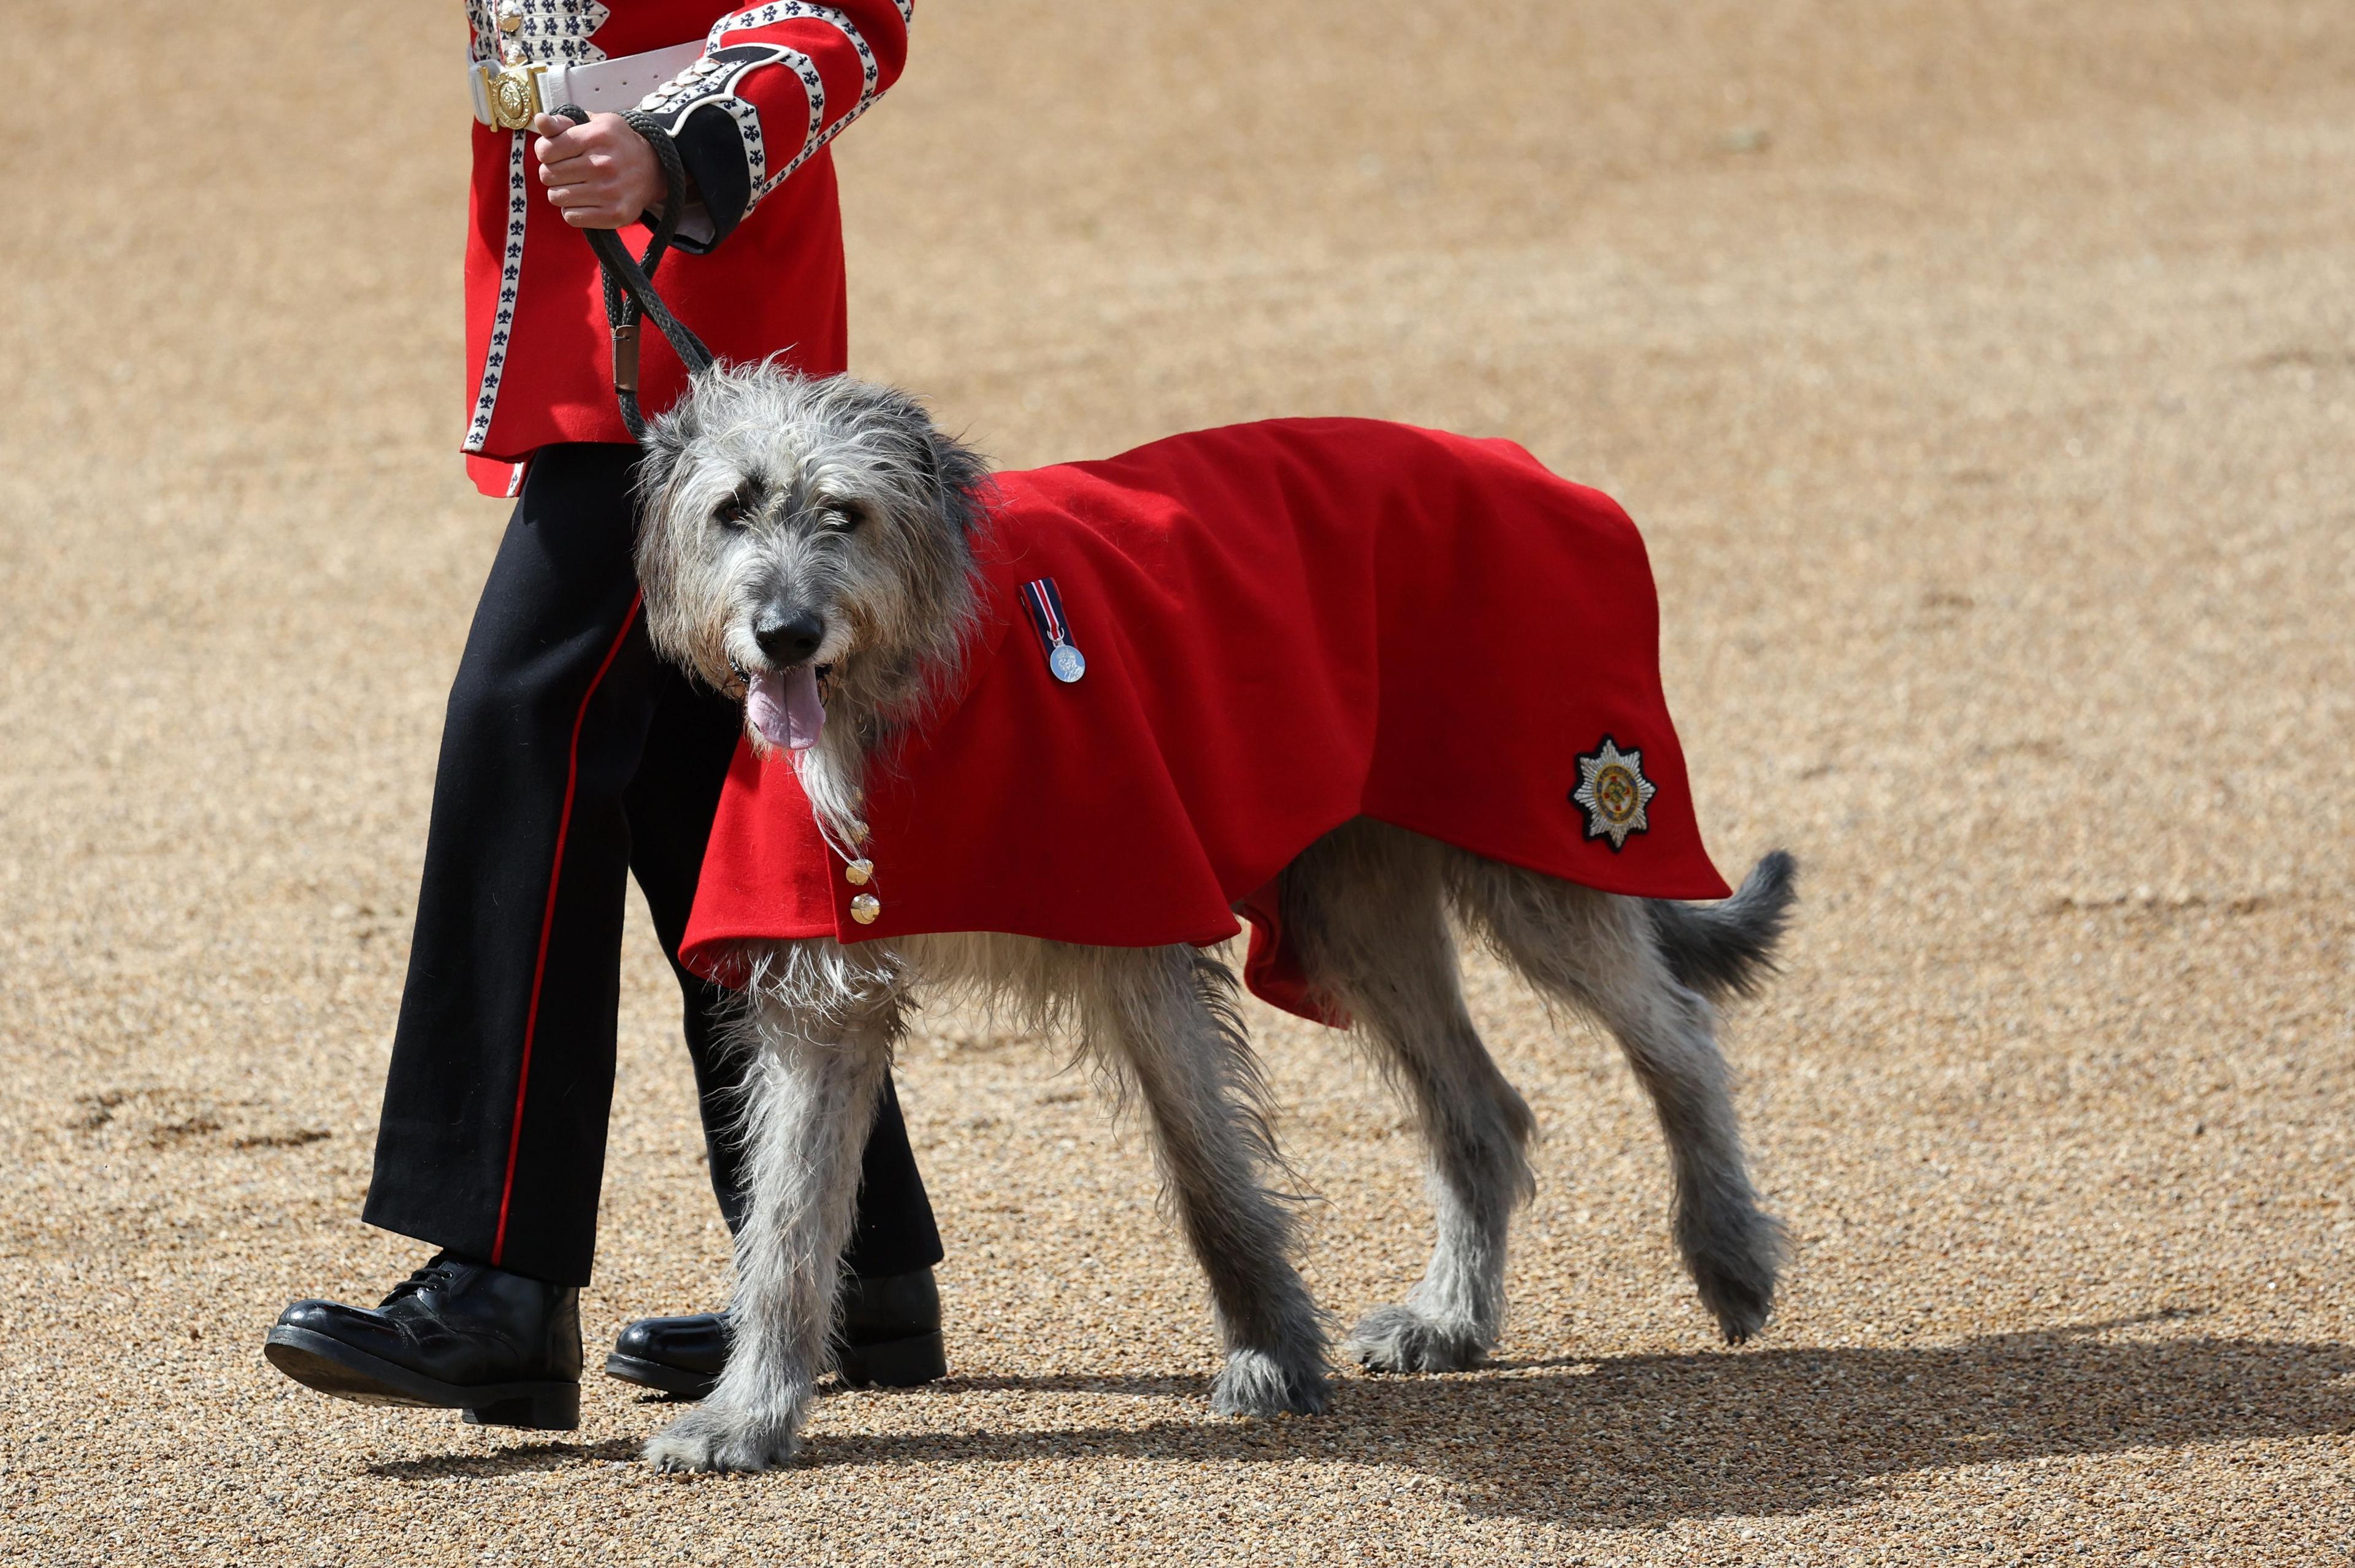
(1044,602)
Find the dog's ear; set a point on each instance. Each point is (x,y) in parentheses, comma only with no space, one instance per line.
(939,476)
(960,478)
(668,435)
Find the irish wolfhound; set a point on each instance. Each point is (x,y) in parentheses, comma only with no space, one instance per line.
(805,536)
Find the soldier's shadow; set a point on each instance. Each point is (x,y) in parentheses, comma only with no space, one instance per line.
(1655,1438)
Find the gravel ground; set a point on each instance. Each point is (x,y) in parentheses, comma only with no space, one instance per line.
(1982,375)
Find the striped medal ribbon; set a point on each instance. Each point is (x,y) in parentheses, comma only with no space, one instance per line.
(1044,601)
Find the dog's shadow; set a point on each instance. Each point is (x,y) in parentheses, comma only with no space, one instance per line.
(522,1457)
(1657,1438)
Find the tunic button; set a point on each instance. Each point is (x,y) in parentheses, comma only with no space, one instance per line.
(864,907)
(859,873)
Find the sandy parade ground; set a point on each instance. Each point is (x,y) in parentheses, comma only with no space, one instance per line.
(1983,375)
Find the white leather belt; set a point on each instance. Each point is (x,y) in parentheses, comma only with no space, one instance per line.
(604,86)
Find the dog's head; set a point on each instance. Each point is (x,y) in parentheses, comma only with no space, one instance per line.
(809,540)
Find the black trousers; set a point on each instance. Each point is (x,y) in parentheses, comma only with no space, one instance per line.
(571,759)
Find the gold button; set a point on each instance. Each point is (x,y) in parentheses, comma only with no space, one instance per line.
(864,907)
(858,874)
(858,833)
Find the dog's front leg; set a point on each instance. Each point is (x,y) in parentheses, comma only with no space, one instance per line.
(810,1095)
(1168,1017)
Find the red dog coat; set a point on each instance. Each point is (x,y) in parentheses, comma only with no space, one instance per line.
(1285,625)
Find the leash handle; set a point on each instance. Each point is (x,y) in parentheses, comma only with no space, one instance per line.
(629,281)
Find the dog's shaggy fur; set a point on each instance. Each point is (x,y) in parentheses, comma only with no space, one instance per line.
(771,499)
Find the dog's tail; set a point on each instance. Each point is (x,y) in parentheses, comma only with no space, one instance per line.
(1728,949)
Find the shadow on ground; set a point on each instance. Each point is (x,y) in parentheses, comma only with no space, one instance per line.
(1665,1437)
(525,1457)
(1772,1432)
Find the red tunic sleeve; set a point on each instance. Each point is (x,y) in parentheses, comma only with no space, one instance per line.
(753,117)
(776,82)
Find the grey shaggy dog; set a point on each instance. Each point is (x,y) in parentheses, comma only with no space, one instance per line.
(791,521)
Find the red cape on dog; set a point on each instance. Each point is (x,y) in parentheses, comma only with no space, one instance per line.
(1285,625)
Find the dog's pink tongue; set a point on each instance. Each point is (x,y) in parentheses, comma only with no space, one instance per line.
(785,709)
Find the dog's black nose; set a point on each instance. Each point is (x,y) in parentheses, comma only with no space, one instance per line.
(789,641)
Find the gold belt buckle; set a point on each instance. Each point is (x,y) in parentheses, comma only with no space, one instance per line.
(512,94)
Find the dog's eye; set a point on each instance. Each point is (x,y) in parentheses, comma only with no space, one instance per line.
(844,516)
(732,513)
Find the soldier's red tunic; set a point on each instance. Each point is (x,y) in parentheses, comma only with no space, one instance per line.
(1286,626)
(753,118)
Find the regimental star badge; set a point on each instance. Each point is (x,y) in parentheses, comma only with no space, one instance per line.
(1613,788)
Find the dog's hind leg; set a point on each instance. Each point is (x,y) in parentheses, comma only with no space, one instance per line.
(1600,953)
(810,1091)
(1363,910)
(1166,1019)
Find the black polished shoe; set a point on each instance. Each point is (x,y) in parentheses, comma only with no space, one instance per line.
(890,1331)
(452,1336)
(890,1335)
(684,1356)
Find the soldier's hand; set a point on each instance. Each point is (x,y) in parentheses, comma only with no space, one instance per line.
(601,175)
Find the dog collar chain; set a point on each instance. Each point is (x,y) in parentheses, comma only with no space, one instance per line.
(1044,602)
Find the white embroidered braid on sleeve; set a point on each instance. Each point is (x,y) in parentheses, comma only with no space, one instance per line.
(786,76)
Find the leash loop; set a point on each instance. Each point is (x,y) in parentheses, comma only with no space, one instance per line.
(629,281)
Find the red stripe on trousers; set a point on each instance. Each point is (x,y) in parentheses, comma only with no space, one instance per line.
(548,923)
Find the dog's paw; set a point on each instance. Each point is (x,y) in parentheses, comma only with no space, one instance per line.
(1734,1264)
(1254,1383)
(719,1439)
(1740,1300)
(1401,1340)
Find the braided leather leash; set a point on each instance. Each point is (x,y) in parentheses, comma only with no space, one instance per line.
(629,281)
